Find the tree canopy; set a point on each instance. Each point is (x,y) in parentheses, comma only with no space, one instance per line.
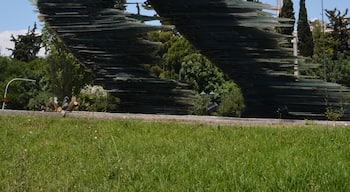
(181,61)
(67,76)
(57,74)
(26,46)
(332,49)
(112,43)
(339,37)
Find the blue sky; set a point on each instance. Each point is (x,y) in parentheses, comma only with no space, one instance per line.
(314,7)
(17,15)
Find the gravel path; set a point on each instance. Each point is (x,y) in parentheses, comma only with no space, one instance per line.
(177,118)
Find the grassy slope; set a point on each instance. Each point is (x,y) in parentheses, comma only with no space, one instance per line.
(56,154)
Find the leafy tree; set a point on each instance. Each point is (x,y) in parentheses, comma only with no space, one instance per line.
(339,36)
(173,49)
(175,56)
(20,92)
(66,76)
(318,38)
(287,12)
(166,38)
(58,75)
(26,46)
(5,68)
(232,104)
(332,49)
(201,73)
(204,76)
(182,61)
(338,71)
(305,42)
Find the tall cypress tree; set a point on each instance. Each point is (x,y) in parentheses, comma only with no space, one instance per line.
(287,11)
(305,43)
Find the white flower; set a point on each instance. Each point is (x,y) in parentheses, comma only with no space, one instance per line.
(94,90)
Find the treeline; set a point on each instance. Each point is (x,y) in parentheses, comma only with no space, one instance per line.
(59,74)
(325,44)
(180,61)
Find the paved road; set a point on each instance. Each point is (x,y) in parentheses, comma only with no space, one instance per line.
(177,118)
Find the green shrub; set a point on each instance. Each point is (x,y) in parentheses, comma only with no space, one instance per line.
(201,104)
(334,114)
(232,104)
(40,101)
(95,98)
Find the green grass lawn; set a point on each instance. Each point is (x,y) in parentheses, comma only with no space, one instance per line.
(62,154)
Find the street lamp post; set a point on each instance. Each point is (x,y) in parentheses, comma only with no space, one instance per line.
(4,100)
(295,54)
(323,44)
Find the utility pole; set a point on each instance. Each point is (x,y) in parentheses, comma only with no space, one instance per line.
(295,54)
(323,45)
(279,6)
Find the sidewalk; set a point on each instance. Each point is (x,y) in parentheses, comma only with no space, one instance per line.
(176,118)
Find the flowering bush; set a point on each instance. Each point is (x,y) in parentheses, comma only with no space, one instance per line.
(95,98)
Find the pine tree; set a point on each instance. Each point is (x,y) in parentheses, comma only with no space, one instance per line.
(287,11)
(305,43)
(340,36)
(26,46)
